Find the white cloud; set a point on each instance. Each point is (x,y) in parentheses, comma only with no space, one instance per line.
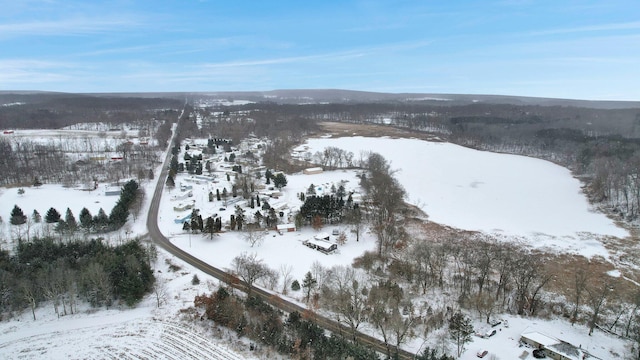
(591,28)
(76,26)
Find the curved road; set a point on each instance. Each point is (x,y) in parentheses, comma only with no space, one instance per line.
(275,300)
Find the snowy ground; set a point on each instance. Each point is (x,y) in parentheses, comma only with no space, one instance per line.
(42,199)
(534,200)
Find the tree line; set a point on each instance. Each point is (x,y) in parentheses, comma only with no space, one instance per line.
(63,274)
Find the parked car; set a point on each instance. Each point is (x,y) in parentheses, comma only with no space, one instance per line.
(490,333)
(539,354)
(482,353)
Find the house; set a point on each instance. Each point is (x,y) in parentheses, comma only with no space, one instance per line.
(323,246)
(286,227)
(180,219)
(554,348)
(182,196)
(312,171)
(183,207)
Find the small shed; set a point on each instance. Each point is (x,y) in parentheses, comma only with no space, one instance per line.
(312,171)
(112,191)
(286,227)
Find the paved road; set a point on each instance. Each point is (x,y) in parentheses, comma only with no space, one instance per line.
(273,299)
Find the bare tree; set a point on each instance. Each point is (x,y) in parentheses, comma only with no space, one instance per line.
(161,292)
(249,268)
(286,273)
(253,235)
(597,296)
(29,295)
(580,278)
(345,293)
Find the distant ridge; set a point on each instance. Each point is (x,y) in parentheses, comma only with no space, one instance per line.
(309,96)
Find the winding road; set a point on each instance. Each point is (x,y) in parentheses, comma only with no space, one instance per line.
(273,299)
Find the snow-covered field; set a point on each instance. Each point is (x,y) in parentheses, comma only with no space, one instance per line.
(47,196)
(534,200)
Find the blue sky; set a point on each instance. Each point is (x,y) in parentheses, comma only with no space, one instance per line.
(564,49)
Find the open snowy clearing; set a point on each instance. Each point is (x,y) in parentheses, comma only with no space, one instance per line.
(536,201)
(45,197)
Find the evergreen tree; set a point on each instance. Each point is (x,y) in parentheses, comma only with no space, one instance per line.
(173,165)
(62,227)
(239,217)
(210,227)
(280,181)
(37,182)
(186,226)
(218,194)
(460,330)
(36,217)
(17,216)
(210,196)
(308,283)
(295,285)
(268,175)
(72,225)
(53,216)
(86,219)
(101,220)
(170,182)
(151,175)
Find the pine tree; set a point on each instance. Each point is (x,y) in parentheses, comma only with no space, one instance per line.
(309,283)
(218,194)
(170,182)
(70,220)
(173,165)
(280,181)
(86,219)
(101,221)
(52,216)
(210,227)
(36,217)
(460,330)
(150,176)
(17,216)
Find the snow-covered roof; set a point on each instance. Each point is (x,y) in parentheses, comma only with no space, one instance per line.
(540,338)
